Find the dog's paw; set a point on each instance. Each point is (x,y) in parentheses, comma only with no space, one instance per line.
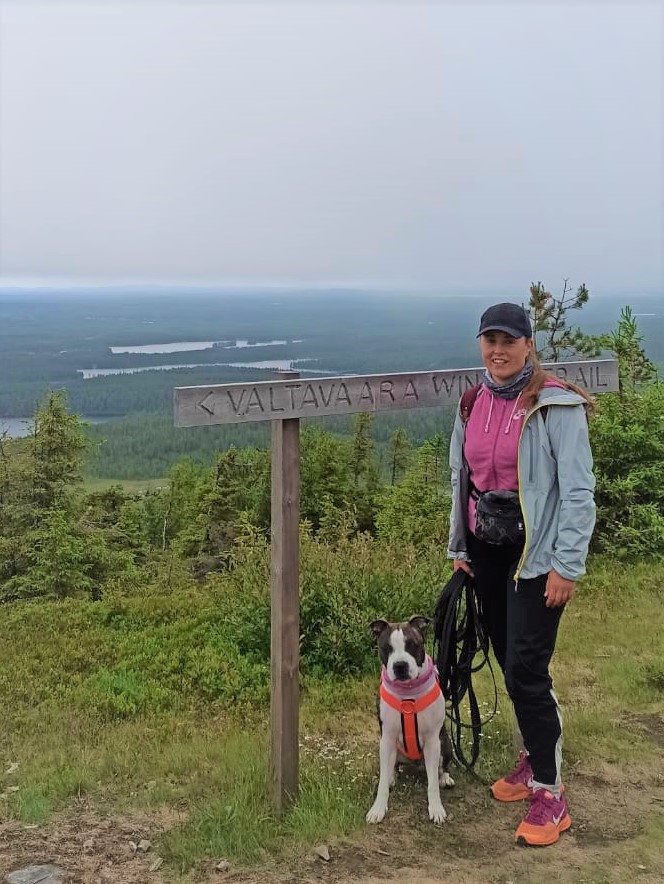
(377,813)
(437,813)
(445,780)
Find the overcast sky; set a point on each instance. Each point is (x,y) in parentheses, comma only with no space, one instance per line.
(437,145)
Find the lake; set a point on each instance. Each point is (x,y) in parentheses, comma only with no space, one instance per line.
(274,364)
(189,346)
(16,427)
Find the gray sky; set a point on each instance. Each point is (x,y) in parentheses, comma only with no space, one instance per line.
(437,145)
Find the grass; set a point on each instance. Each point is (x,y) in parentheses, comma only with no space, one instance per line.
(209,758)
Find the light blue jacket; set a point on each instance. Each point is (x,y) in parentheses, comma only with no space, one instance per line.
(556,485)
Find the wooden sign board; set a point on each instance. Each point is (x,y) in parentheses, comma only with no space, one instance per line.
(316,397)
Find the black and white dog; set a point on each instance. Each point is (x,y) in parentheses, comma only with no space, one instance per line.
(411,711)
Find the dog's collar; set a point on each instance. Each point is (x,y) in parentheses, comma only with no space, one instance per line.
(413,687)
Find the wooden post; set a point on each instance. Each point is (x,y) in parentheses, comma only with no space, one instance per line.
(285,631)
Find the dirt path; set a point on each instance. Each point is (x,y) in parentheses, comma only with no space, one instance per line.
(617,836)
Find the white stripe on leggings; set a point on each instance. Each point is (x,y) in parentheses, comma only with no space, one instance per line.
(555,788)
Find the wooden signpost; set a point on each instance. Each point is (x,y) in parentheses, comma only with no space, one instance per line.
(284,400)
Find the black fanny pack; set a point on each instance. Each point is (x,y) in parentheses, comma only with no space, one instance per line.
(498,517)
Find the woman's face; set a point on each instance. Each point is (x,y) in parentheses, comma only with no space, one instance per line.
(504,356)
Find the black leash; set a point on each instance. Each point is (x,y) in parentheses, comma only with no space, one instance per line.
(457,639)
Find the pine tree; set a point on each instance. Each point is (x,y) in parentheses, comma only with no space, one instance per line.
(325,483)
(399,454)
(549,315)
(364,471)
(625,342)
(58,449)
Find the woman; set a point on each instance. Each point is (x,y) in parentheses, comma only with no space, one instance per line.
(525,436)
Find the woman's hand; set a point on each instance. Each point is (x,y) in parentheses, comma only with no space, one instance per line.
(460,565)
(558,590)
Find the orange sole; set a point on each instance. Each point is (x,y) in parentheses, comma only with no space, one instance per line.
(520,795)
(562,826)
(511,796)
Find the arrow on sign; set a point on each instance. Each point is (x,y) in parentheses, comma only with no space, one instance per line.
(203,403)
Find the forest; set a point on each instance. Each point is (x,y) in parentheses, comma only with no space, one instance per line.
(48,338)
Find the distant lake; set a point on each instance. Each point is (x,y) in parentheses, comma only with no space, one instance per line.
(275,364)
(17,427)
(188,346)
(177,347)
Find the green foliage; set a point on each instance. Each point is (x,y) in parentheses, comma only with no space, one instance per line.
(549,317)
(58,446)
(417,511)
(326,486)
(151,651)
(59,564)
(235,491)
(123,693)
(626,343)
(627,436)
(399,454)
(364,471)
(345,587)
(50,544)
(172,509)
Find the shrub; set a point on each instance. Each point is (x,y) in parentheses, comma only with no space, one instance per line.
(627,437)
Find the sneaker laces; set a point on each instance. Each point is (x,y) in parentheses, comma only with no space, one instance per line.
(539,811)
(521,772)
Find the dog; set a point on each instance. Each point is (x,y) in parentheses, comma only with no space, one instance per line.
(411,714)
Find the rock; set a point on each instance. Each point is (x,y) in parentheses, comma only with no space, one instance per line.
(89,845)
(322,852)
(156,864)
(222,866)
(13,767)
(144,845)
(38,875)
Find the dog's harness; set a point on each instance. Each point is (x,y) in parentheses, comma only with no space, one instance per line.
(408,710)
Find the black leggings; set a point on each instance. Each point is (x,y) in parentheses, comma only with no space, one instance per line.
(522,631)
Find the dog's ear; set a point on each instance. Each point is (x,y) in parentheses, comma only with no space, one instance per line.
(420,623)
(377,627)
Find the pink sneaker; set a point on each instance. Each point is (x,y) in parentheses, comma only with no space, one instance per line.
(547,817)
(516,785)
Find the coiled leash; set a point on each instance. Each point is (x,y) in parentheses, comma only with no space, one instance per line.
(458,638)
